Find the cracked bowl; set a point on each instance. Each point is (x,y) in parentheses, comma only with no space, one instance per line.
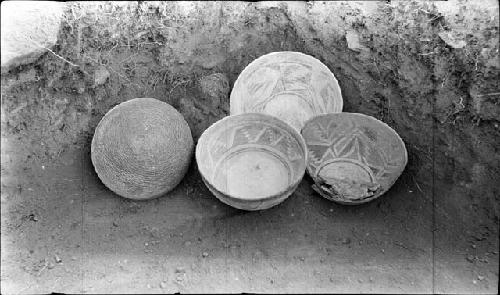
(353,158)
(251,161)
(289,85)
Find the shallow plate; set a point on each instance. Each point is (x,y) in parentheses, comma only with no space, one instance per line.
(251,161)
(353,158)
(289,85)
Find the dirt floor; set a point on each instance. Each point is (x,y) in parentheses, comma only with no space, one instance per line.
(436,230)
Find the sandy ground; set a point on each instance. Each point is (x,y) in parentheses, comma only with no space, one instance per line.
(63,231)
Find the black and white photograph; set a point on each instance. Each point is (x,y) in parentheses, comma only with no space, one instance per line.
(202,147)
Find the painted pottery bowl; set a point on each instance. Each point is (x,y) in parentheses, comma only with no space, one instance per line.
(251,161)
(142,148)
(353,158)
(289,85)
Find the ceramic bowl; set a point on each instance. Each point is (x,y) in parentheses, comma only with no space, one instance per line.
(251,161)
(353,158)
(289,85)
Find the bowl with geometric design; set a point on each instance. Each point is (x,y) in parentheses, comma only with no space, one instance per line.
(353,158)
(251,161)
(292,86)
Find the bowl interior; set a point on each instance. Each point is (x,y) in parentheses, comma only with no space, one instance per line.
(289,85)
(251,156)
(357,154)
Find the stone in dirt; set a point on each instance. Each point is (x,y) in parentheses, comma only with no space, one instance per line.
(57,258)
(452,39)
(28,29)
(101,75)
(346,241)
(215,87)
(470,258)
(352,38)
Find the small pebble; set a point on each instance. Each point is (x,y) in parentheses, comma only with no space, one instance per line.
(101,75)
(57,259)
(163,285)
(474,282)
(50,265)
(346,241)
(480,278)
(383,251)
(470,258)
(473,246)
(115,224)
(204,254)
(479,237)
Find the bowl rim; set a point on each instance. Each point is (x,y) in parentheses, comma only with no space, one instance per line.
(371,118)
(359,115)
(239,79)
(254,116)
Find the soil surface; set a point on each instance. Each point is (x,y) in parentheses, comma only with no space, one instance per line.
(405,63)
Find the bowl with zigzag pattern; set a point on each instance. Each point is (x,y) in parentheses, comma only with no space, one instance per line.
(251,161)
(353,158)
